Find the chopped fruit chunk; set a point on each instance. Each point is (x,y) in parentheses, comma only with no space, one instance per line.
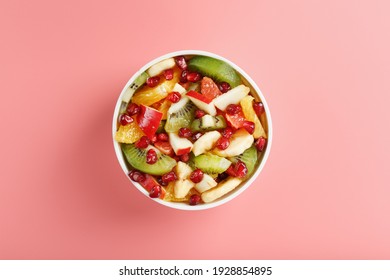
(164,147)
(207,183)
(223,188)
(149,120)
(233,109)
(233,96)
(129,133)
(132,109)
(159,67)
(185,157)
(250,115)
(162,137)
(236,121)
(205,142)
(202,102)
(180,145)
(143,142)
(185,132)
(183,170)
(239,142)
(209,89)
(211,164)
(182,187)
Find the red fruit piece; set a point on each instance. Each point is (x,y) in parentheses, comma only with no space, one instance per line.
(183,76)
(153,81)
(185,132)
(227,132)
(149,183)
(236,121)
(181,62)
(174,96)
(194,199)
(153,139)
(260,144)
(259,108)
(164,147)
(233,109)
(169,177)
(136,176)
(149,120)
(142,143)
(196,176)
(125,119)
(196,136)
(162,137)
(224,87)
(132,109)
(249,126)
(168,74)
(230,171)
(199,114)
(193,77)
(209,89)
(223,143)
(240,169)
(185,157)
(151,157)
(155,191)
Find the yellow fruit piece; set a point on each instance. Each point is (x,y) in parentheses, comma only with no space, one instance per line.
(163,107)
(170,196)
(250,114)
(147,95)
(129,133)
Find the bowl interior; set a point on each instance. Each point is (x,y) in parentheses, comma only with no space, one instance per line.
(255,91)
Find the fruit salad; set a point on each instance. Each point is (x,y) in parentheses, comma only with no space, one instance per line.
(191,130)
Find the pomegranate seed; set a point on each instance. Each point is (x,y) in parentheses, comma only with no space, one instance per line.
(233,109)
(152,81)
(183,76)
(194,77)
(194,199)
(125,119)
(185,157)
(260,144)
(249,126)
(199,114)
(160,181)
(240,169)
(185,132)
(222,177)
(227,132)
(196,136)
(224,87)
(196,176)
(162,137)
(168,74)
(136,176)
(132,109)
(155,191)
(259,108)
(177,158)
(181,62)
(169,177)
(153,139)
(151,157)
(174,97)
(142,143)
(230,171)
(223,143)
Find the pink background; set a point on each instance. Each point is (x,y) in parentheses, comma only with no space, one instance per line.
(322,65)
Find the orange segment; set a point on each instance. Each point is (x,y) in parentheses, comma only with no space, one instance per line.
(250,115)
(209,89)
(147,95)
(129,133)
(169,195)
(163,107)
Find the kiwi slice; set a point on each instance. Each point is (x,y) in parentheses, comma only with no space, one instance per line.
(141,79)
(249,157)
(207,123)
(137,159)
(181,118)
(216,69)
(211,164)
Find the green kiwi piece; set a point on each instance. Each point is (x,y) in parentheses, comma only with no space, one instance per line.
(249,157)
(211,164)
(207,123)
(216,69)
(141,79)
(137,159)
(181,118)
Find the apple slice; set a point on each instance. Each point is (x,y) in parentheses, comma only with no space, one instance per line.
(180,145)
(207,183)
(202,102)
(239,142)
(182,170)
(182,187)
(149,120)
(222,189)
(205,142)
(233,96)
(159,67)
(179,89)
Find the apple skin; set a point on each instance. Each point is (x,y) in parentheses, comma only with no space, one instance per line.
(149,183)
(198,96)
(202,102)
(183,151)
(149,120)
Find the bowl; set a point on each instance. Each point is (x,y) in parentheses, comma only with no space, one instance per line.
(255,91)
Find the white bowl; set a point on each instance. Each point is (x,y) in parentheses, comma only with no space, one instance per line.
(254,90)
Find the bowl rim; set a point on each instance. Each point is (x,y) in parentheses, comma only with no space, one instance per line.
(246,184)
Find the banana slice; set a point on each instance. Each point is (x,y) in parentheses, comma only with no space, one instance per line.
(159,67)
(222,189)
